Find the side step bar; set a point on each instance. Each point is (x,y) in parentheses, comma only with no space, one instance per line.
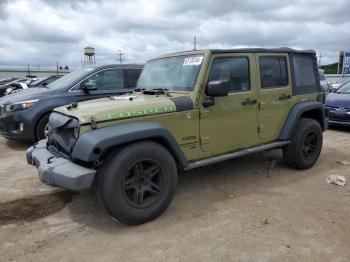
(217,159)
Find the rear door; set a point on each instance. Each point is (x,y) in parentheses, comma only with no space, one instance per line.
(275,94)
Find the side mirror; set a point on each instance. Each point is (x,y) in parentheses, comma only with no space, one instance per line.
(217,88)
(86,87)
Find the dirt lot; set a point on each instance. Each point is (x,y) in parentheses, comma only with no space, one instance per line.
(249,209)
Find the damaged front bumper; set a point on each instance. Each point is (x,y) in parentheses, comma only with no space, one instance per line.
(55,170)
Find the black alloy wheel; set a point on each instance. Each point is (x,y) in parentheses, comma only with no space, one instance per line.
(143,184)
(310,145)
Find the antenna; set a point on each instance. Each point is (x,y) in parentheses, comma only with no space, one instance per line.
(195,43)
(120,57)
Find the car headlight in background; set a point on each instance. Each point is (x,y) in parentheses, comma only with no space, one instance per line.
(21,105)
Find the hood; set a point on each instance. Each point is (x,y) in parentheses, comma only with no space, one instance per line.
(122,107)
(26,94)
(338,100)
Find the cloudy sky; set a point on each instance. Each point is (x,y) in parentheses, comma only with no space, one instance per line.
(40,32)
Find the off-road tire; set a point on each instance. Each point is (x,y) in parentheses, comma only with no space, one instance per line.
(305,145)
(40,127)
(119,179)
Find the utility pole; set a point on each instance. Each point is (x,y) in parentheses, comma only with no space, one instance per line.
(319,60)
(195,43)
(28,71)
(120,57)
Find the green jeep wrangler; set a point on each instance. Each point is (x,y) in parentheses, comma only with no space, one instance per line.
(191,109)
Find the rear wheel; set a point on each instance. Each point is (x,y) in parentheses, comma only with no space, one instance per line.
(305,146)
(138,182)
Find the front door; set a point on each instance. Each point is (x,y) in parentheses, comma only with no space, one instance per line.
(231,123)
(275,94)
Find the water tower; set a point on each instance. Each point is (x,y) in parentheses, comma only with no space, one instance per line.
(89,57)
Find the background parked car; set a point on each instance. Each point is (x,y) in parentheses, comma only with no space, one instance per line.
(44,81)
(7,84)
(338,104)
(24,115)
(323,81)
(32,83)
(7,80)
(337,84)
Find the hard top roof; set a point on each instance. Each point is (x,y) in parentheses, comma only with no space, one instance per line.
(240,50)
(262,50)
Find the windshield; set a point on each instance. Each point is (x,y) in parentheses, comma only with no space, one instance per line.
(344,89)
(341,81)
(66,80)
(173,73)
(35,82)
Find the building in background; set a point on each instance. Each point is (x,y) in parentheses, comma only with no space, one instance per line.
(344,63)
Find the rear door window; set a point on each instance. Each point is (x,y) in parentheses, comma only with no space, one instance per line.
(273,71)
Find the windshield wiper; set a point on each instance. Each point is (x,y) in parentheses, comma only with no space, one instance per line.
(156,91)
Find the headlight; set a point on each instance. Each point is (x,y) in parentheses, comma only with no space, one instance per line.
(20,105)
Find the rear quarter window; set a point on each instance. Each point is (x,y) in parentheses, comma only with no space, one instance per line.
(305,74)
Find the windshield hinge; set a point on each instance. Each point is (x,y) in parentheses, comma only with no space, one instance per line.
(93,124)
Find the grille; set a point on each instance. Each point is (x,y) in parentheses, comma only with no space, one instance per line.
(54,151)
(339,109)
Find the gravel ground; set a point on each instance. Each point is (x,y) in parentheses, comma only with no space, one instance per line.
(249,209)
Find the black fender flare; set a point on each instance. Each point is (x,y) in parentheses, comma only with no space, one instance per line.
(295,114)
(91,145)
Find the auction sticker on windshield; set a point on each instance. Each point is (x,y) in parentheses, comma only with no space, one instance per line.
(193,60)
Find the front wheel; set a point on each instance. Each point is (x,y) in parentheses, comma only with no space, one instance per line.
(138,182)
(305,146)
(42,128)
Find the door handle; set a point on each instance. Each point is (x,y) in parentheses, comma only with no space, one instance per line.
(284,97)
(248,101)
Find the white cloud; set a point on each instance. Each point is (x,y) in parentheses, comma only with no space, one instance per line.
(42,32)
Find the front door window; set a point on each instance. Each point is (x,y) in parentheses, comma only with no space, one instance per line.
(110,79)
